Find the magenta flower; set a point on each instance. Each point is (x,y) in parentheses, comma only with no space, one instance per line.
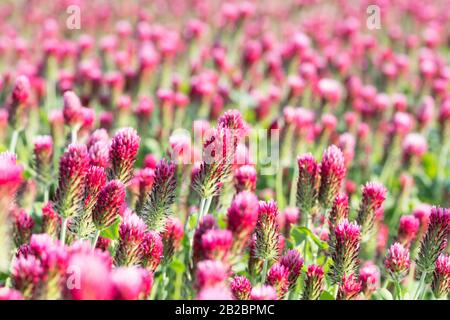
(216,244)
(242,217)
(206,223)
(131,283)
(267,236)
(157,206)
(151,250)
(122,153)
(26,274)
(10,294)
(407,230)
(307,183)
(293,262)
(278,277)
(441,276)
(10,180)
(245,178)
(144,178)
(397,261)
(349,288)
(23,227)
(339,212)
(99,154)
(72,111)
(211,273)
(241,288)
(345,250)
(369,275)
(50,220)
(332,174)
(414,147)
(73,167)
(18,103)
(435,241)
(313,283)
(89,277)
(109,203)
(131,233)
(172,235)
(373,196)
(43,154)
(264,292)
(219,292)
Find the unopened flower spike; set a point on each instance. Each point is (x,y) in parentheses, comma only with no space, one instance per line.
(332,174)
(157,207)
(122,153)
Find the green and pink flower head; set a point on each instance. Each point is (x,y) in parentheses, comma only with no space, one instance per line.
(441,276)
(349,288)
(314,285)
(332,174)
(307,183)
(397,261)
(243,215)
(278,277)
(373,196)
(108,207)
(267,236)
(122,153)
(241,288)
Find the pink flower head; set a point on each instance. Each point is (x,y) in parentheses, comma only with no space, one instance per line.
(330,90)
(267,236)
(435,240)
(122,153)
(241,288)
(99,135)
(72,111)
(414,146)
(26,274)
(425,113)
(206,223)
(144,178)
(397,261)
(373,196)
(99,154)
(345,249)
(21,90)
(339,210)
(211,273)
(216,244)
(402,123)
(131,283)
(109,203)
(313,282)
(43,151)
(23,227)
(349,288)
(243,215)
(144,109)
(278,277)
(219,292)
(172,235)
(245,178)
(441,276)
(151,250)
(50,220)
(407,230)
(422,212)
(10,178)
(95,181)
(307,183)
(370,277)
(332,173)
(293,262)
(131,233)
(265,292)
(90,277)
(10,294)
(73,167)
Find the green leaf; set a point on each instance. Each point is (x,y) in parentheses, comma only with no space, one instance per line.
(177,266)
(112,232)
(385,294)
(3,276)
(300,233)
(326,296)
(430,164)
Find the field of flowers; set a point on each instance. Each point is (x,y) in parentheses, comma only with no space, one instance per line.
(202,149)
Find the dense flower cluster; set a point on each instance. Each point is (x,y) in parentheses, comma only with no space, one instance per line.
(246,150)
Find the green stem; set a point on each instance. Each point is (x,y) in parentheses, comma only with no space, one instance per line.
(14,138)
(94,241)
(420,287)
(264,271)
(63,231)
